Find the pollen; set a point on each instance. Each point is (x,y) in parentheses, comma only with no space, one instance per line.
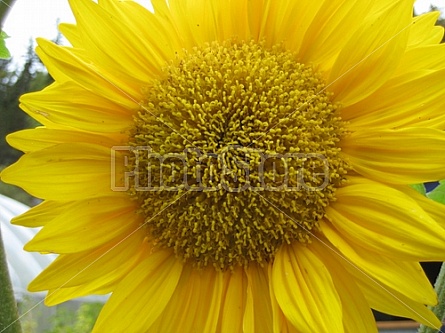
(234,153)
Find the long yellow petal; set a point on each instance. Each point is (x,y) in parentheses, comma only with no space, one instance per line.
(299,274)
(434,209)
(424,31)
(64,66)
(71,33)
(400,103)
(402,156)
(405,277)
(58,296)
(40,138)
(100,281)
(258,314)
(102,30)
(331,28)
(187,297)
(195,305)
(422,58)
(87,225)
(143,293)
(357,315)
(85,170)
(70,105)
(192,23)
(293,31)
(386,221)
(41,214)
(234,302)
(280,323)
(71,270)
(371,53)
(389,301)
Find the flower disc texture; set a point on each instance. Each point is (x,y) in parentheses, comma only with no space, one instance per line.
(239,166)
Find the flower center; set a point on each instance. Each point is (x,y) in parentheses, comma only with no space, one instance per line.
(235,154)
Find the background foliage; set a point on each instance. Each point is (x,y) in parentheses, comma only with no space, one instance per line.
(14,83)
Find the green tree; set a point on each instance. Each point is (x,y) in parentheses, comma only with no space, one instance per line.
(13,84)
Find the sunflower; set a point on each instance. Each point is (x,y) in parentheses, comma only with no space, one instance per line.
(238,166)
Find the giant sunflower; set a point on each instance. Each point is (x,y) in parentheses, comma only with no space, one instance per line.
(295,129)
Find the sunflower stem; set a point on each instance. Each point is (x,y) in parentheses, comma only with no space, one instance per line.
(5,7)
(9,322)
(439,309)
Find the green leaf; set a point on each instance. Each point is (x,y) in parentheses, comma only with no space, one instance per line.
(419,188)
(4,52)
(438,194)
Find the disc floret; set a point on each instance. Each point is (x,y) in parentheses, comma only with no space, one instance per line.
(240,153)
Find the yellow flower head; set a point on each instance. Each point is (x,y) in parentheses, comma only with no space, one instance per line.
(239,166)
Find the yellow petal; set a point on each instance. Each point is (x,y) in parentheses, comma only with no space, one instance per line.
(195,305)
(41,214)
(357,315)
(40,138)
(236,24)
(58,296)
(371,53)
(100,26)
(87,225)
(400,103)
(71,33)
(280,323)
(101,284)
(424,30)
(402,156)
(434,209)
(143,295)
(234,302)
(386,300)
(386,221)
(65,65)
(70,105)
(160,8)
(421,58)
(305,291)
(274,21)
(292,31)
(183,306)
(85,170)
(198,20)
(89,267)
(258,314)
(405,277)
(332,27)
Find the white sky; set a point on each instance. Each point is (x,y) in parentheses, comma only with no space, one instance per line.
(29,19)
